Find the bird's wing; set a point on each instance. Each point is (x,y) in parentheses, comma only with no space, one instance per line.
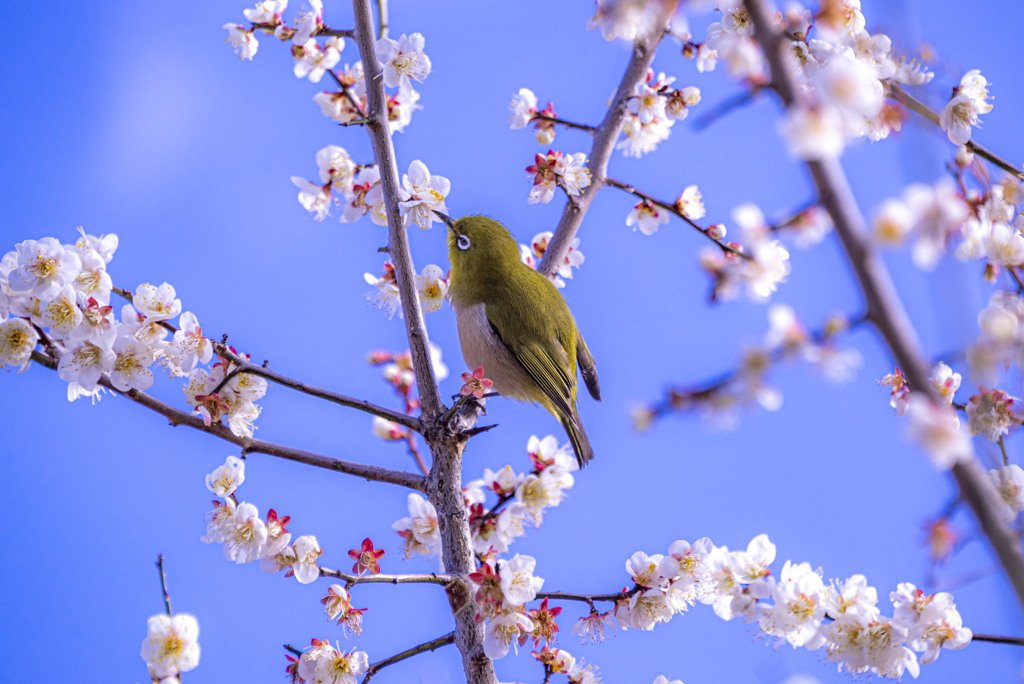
(548,364)
(588,367)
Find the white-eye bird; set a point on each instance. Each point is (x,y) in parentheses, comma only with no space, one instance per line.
(515,323)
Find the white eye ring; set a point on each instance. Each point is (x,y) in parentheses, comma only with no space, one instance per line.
(463,242)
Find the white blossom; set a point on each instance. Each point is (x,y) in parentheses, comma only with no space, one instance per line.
(242,40)
(171,645)
(420,530)
(132,360)
(307,551)
(422,194)
(1009,482)
(44,267)
(518,584)
(522,109)
(225,480)
(403,59)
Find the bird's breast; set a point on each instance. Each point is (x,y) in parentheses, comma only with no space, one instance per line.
(482,347)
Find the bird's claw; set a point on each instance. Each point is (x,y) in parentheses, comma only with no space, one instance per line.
(465,416)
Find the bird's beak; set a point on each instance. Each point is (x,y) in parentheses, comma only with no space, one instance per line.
(447,220)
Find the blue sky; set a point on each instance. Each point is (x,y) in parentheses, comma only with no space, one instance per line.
(138,120)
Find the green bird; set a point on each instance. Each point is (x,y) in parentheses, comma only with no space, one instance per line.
(514,322)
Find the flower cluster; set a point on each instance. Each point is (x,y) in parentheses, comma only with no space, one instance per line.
(523,110)
(556,170)
(787,339)
(653,108)
(532,254)
(797,607)
(431,284)
(247,537)
(59,296)
(560,661)
(358,190)
(171,646)
(338,604)
(325,664)
(844,72)
(398,372)
(759,274)
(522,498)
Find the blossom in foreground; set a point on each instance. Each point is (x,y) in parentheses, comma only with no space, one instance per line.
(403,59)
(591,628)
(189,348)
(814,133)
(432,286)
(83,363)
(308,24)
(225,480)
(156,303)
(690,205)
(504,629)
(937,430)
(990,413)
(131,365)
(242,40)
(475,383)
(312,61)
(1009,482)
(248,539)
(172,644)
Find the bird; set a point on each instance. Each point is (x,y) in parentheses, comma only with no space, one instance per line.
(515,323)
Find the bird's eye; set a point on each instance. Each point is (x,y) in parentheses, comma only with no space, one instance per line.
(463,242)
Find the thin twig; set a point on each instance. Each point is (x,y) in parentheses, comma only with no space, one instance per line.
(885,309)
(672,210)
(563,122)
(348,95)
(291,649)
(1016,641)
(414,451)
(415,650)
(256,446)
(605,137)
(915,105)
(163,583)
(243,366)
(589,598)
(382,19)
(726,106)
(349,579)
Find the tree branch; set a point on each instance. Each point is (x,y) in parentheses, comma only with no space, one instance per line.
(398,240)
(1016,641)
(671,208)
(567,124)
(163,584)
(386,579)
(415,650)
(258,446)
(604,140)
(243,366)
(382,18)
(915,105)
(884,307)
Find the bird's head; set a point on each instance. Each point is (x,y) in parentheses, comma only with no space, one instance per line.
(480,245)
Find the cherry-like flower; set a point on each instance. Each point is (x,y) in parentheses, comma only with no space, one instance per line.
(476,383)
(366,558)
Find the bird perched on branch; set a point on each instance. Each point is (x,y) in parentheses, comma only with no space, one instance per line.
(514,322)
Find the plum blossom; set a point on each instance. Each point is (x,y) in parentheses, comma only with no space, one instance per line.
(504,629)
(313,198)
(940,627)
(969,101)
(422,194)
(306,551)
(647,216)
(312,61)
(189,348)
(522,109)
(690,205)
(432,286)
(266,12)
(84,363)
(990,413)
(799,607)
(60,313)
(156,303)
(225,479)
(387,296)
(420,531)
(538,247)
(220,522)
(768,267)
(937,430)
(518,584)
(44,267)
(132,360)
(403,59)
(17,340)
(1009,482)
(814,133)
(248,539)
(591,628)
(945,382)
(242,40)
(899,397)
(641,138)
(308,24)
(171,645)
(93,281)
(752,564)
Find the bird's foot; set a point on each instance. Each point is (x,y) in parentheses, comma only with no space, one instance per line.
(465,415)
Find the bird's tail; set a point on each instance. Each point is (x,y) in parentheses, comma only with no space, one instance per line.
(578,437)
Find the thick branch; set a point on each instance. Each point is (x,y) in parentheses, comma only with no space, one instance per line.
(604,141)
(250,445)
(884,307)
(386,579)
(243,366)
(915,105)
(415,650)
(398,240)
